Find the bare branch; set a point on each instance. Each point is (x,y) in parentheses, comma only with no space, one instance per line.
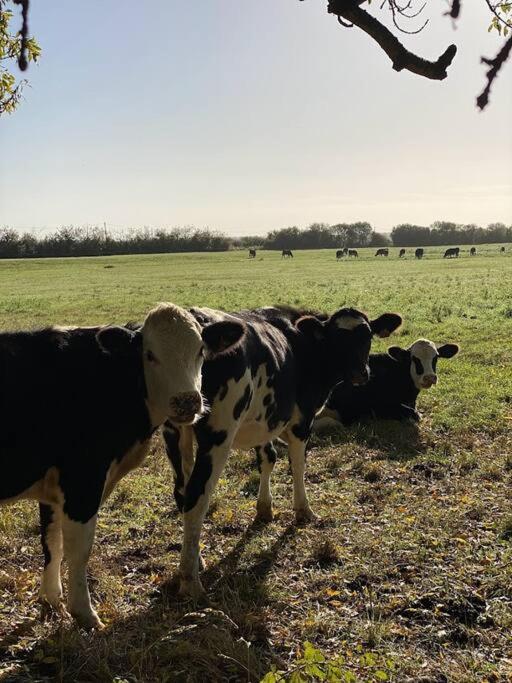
(22,58)
(483,99)
(399,55)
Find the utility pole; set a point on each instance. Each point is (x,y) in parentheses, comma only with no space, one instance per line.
(105,230)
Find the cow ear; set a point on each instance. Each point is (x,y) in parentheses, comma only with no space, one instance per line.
(385,324)
(397,353)
(448,350)
(115,340)
(222,335)
(311,327)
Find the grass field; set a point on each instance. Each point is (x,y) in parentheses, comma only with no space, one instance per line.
(408,574)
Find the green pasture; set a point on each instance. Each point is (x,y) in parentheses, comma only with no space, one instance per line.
(407,577)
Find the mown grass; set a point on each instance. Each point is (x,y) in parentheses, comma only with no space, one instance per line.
(412,558)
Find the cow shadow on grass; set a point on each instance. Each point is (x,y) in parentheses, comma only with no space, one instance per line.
(395,440)
(225,637)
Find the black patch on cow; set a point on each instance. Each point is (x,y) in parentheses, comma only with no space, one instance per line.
(45,519)
(223,392)
(242,402)
(418,365)
(260,382)
(302,430)
(267,399)
(270,452)
(258,457)
(196,485)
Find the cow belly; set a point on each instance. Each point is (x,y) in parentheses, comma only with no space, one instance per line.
(45,490)
(252,433)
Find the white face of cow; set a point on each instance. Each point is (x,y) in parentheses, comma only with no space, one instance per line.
(422,356)
(173,356)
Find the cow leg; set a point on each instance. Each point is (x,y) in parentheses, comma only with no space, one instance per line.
(180,451)
(78,539)
(266,456)
(297,454)
(51,540)
(212,453)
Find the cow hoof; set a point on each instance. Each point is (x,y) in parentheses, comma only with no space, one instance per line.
(304,516)
(264,514)
(192,588)
(87,620)
(51,599)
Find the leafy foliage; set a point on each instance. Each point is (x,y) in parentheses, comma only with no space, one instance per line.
(11,89)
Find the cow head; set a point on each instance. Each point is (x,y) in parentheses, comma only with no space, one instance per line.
(173,346)
(345,341)
(421,359)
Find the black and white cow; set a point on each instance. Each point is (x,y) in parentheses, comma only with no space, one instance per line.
(272,384)
(383,251)
(396,378)
(340,253)
(452,252)
(287,253)
(419,252)
(78,408)
(472,251)
(502,250)
(252,253)
(402,253)
(353,252)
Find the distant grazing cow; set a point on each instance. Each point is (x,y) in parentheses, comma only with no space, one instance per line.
(419,252)
(272,384)
(402,253)
(452,252)
(78,408)
(472,251)
(382,252)
(396,378)
(353,252)
(252,253)
(502,250)
(340,253)
(286,253)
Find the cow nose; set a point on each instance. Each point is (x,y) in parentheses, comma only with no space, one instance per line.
(429,380)
(360,376)
(184,407)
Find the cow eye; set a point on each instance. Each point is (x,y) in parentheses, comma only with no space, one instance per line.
(150,356)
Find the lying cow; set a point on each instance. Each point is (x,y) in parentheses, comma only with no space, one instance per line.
(396,378)
(272,384)
(78,408)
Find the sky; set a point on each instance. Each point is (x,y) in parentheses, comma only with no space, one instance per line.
(247,116)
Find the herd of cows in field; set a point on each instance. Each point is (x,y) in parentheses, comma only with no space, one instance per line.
(212,381)
(451,252)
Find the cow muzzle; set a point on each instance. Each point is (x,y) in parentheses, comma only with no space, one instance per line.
(185,407)
(360,377)
(428,381)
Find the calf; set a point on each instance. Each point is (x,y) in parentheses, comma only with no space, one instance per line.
(252,253)
(79,406)
(353,252)
(402,253)
(396,378)
(382,252)
(270,385)
(286,253)
(419,252)
(472,251)
(452,252)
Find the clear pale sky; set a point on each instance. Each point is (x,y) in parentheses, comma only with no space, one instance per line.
(249,116)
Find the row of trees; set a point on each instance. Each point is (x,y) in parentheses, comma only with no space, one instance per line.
(72,241)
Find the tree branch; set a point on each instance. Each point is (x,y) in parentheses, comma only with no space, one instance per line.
(483,99)
(399,55)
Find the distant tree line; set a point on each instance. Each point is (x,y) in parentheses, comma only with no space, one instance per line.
(74,241)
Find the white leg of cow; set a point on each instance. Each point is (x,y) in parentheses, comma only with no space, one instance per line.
(207,470)
(266,460)
(51,539)
(78,540)
(187,464)
(297,453)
